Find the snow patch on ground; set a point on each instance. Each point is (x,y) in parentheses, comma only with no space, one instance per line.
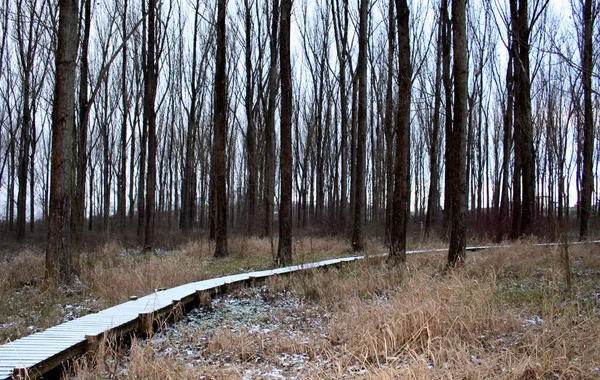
(259,332)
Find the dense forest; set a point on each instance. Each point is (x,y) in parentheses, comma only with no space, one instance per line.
(275,118)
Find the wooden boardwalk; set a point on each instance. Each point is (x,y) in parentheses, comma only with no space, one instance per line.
(36,354)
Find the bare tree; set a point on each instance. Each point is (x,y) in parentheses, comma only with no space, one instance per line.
(524,164)
(458,191)
(590,11)
(188,189)
(340,24)
(220,135)
(433,200)
(150,84)
(507,142)
(122,179)
(81,137)
(389,120)
(28,43)
(400,207)
(447,84)
(61,263)
(269,175)
(284,251)
(361,135)
(251,157)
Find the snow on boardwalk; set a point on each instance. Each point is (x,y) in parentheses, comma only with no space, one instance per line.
(41,352)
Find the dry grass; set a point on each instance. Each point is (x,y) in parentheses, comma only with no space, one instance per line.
(506,314)
(110,274)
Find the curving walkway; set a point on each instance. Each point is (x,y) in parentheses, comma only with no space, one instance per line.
(39,353)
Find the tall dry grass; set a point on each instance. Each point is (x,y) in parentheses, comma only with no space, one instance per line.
(111,273)
(506,315)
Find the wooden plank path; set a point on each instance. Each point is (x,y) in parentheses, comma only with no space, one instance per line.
(41,352)
(36,354)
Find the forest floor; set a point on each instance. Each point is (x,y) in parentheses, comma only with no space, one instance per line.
(110,273)
(506,314)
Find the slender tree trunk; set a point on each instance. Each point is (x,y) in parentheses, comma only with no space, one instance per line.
(270,126)
(587,63)
(32,174)
(220,135)
(23,166)
(433,200)
(10,210)
(141,197)
(284,251)
(353,138)
(122,185)
(105,163)
(25,59)
(503,216)
(525,206)
(189,171)
(132,167)
(78,202)
(456,252)
(250,132)
(340,24)
(389,122)
(361,136)
(61,263)
(447,83)
(402,157)
(150,112)
(551,132)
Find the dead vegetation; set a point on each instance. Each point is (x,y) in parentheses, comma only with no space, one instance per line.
(111,273)
(507,314)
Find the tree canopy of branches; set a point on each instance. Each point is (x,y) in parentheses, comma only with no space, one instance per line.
(369,120)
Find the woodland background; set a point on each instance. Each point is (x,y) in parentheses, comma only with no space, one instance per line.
(150,152)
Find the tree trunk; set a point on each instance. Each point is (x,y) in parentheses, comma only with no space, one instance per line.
(61,265)
(250,132)
(189,171)
(122,179)
(503,216)
(284,251)
(150,112)
(25,59)
(340,24)
(588,118)
(105,163)
(220,135)
(141,197)
(78,202)
(433,199)
(23,166)
(32,173)
(524,165)
(389,123)
(458,190)
(447,83)
(361,135)
(270,126)
(400,207)
(132,166)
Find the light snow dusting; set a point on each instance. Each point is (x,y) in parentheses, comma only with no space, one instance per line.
(259,332)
